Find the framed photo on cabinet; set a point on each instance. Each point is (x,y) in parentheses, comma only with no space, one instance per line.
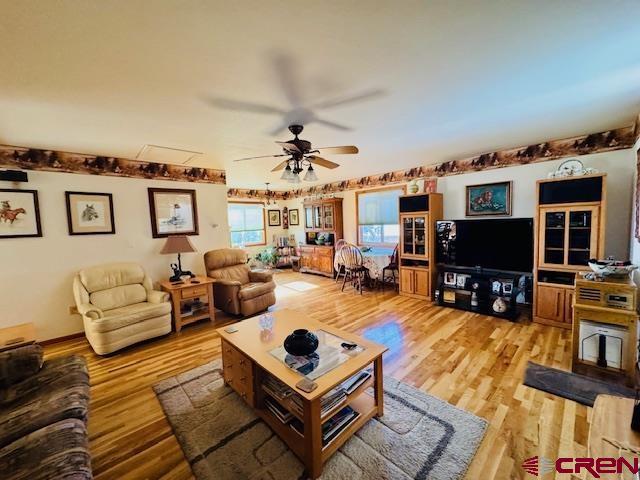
(90,213)
(19,213)
(173,211)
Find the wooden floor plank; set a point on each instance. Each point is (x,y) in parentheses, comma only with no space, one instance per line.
(472,361)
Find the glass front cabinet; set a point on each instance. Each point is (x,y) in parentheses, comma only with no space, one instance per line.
(568,236)
(414,236)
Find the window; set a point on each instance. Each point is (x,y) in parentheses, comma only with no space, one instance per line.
(246,223)
(378,219)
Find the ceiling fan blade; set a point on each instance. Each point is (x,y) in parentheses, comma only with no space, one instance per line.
(261,156)
(336,102)
(239,105)
(289,147)
(347,149)
(280,166)
(323,162)
(334,125)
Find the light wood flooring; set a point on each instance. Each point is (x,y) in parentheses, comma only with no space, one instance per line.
(474,362)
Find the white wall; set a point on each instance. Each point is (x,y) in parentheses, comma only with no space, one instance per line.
(37,273)
(619,166)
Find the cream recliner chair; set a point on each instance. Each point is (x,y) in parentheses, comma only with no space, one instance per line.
(237,289)
(119,306)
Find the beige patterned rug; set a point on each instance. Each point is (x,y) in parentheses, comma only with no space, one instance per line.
(419,436)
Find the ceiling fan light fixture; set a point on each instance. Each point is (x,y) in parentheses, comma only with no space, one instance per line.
(295,178)
(310,176)
(286,173)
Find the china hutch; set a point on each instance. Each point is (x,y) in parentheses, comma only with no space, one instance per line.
(322,228)
(417,250)
(570,230)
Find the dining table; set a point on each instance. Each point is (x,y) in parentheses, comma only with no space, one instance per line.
(376,259)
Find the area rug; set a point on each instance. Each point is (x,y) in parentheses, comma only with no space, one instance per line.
(573,386)
(419,436)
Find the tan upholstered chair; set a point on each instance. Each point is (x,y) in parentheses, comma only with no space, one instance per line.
(238,290)
(119,306)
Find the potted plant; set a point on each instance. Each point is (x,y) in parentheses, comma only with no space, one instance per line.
(268,257)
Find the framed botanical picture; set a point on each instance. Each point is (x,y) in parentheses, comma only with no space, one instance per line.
(173,212)
(274,218)
(90,213)
(489,199)
(19,213)
(294,217)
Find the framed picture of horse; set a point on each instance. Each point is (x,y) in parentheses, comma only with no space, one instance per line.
(19,213)
(90,213)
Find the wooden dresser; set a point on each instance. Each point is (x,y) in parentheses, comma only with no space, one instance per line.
(321,217)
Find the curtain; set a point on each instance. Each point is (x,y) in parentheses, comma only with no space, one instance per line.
(379,208)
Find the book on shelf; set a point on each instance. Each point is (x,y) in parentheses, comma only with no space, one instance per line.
(278,410)
(350,384)
(337,423)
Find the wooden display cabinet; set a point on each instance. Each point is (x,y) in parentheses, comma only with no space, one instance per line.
(570,230)
(320,217)
(417,253)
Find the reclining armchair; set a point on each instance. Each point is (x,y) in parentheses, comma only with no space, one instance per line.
(119,306)
(238,290)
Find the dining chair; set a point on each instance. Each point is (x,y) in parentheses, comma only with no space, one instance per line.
(354,269)
(392,267)
(338,265)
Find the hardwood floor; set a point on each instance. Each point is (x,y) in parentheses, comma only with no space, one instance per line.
(474,362)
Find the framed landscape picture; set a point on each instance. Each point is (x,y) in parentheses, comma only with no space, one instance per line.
(274,218)
(19,213)
(489,199)
(173,212)
(294,217)
(90,213)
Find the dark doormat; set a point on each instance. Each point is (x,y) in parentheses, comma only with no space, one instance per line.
(573,386)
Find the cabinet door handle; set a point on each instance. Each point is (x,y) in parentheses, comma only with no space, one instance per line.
(558,304)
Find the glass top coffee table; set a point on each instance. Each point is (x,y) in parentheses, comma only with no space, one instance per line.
(313,424)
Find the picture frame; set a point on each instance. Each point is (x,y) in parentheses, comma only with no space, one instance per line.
(496,287)
(461,280)
(450,278)
(19,213)
(274,218)
(489,199)
(173,211)
(90,213)
(294,217)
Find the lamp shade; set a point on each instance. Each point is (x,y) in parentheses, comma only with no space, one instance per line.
(177,244)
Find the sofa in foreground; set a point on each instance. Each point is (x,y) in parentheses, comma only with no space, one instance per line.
(43,416)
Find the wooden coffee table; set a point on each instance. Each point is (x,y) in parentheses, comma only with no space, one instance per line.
(247,362)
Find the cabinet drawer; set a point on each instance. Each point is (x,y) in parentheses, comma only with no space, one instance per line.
(192,292)
(307,250)
(238,372)
(324,252)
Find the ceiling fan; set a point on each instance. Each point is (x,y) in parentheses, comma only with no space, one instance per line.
(302,155)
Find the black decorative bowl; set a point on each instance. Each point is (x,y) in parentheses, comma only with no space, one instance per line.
(301,342)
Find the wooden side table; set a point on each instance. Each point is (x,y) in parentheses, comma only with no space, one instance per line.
(17,336)
(192,300)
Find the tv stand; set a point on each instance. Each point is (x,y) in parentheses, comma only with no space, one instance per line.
(476,290)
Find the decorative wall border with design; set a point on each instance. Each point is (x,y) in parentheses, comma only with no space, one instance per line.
(610,140)
(54,161)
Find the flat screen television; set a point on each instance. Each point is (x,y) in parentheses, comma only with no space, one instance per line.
(497,244)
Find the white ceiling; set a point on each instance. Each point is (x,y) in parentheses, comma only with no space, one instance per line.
(443,79)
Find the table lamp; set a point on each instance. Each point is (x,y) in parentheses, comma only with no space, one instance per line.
(178,244)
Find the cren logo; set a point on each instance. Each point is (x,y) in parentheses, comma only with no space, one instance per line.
(537,465)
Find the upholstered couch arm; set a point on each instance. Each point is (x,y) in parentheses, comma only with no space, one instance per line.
(19,363)
(90,311)
(227,283)
(260,276)
(156,296)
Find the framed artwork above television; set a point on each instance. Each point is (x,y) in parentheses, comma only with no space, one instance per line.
(489,199)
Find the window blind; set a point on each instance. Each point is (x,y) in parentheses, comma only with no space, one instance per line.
(244,216)
(378,208)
